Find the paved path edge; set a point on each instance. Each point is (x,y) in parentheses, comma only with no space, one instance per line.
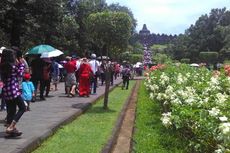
(34,143)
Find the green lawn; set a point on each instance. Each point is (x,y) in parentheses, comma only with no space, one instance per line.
(89,132)
(150,135)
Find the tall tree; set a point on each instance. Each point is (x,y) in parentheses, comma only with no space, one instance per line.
(118,8)
(13,19)
(81,9)
(109,30)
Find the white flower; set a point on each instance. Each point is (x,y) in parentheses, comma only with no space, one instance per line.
(225,128)
(221,98)
(218,151)
(214,112)
(176,101)
(169,90)
(214,81)
(181,79)
(189,100)
(164,79)
(153,87)
(166,119)
(206,100)
(223,119)
(151,96)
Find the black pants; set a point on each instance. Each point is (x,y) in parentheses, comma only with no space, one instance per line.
(125,82)
(11,106)
(45,87)
(42,85)
(102,78)
(3,104)
(94,84)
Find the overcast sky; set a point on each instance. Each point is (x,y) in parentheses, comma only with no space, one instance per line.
(169,16)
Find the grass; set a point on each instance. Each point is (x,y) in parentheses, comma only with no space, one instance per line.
(89,132)
(150,135)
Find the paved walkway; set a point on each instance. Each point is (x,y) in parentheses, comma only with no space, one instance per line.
(44,118)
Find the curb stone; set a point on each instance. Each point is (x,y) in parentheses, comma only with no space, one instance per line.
(112,141)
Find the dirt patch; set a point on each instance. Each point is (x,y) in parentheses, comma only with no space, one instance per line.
(123,143)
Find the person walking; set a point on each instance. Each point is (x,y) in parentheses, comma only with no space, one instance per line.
(27,90)
(126,74)
(37,66)
(55,74)
(71,82)
(95,67)
(11,70)
(85,73)
(45,86)
(102,71)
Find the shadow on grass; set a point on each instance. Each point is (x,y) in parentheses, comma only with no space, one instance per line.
(100,110)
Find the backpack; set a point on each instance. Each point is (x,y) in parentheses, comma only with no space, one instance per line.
(126,73)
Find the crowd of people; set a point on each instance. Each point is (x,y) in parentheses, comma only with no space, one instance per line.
(21,81)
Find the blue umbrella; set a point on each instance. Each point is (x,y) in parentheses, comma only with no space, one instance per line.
(41,49)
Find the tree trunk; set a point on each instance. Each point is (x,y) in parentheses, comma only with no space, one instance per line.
(107,85)
(107,81)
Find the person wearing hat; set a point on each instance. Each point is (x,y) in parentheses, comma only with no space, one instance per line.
(27,90)
(95,67)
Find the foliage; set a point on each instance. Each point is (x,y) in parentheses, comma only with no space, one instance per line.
(105,24)
(209,57)
(134,58)
(160,58)
(91,131)
(118,8)
(29,23)
(150,135)
(209,33)
(195,103)
(137,48)
(158,48)
(81,9)
(26,23)
(185,60)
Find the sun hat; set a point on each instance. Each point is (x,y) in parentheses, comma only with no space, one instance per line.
(93,56)
(26,76)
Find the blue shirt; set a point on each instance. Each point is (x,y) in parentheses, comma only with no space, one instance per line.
(27,90)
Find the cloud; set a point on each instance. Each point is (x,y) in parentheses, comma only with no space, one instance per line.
(169,16)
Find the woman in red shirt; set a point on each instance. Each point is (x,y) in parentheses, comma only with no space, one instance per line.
(70,78)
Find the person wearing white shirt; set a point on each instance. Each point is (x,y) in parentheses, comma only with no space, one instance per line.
(95,67)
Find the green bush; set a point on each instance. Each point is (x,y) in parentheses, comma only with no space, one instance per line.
(185,60)
(160,58)
(134,58)
(210,57)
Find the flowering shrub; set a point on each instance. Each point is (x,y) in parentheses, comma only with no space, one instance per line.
(195,102)
(227,70)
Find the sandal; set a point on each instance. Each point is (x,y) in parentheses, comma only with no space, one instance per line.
(14,131)
(73,95)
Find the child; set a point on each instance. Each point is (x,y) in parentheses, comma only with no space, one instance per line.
(27,90)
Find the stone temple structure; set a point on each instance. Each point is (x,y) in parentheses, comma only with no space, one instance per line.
(144,31)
